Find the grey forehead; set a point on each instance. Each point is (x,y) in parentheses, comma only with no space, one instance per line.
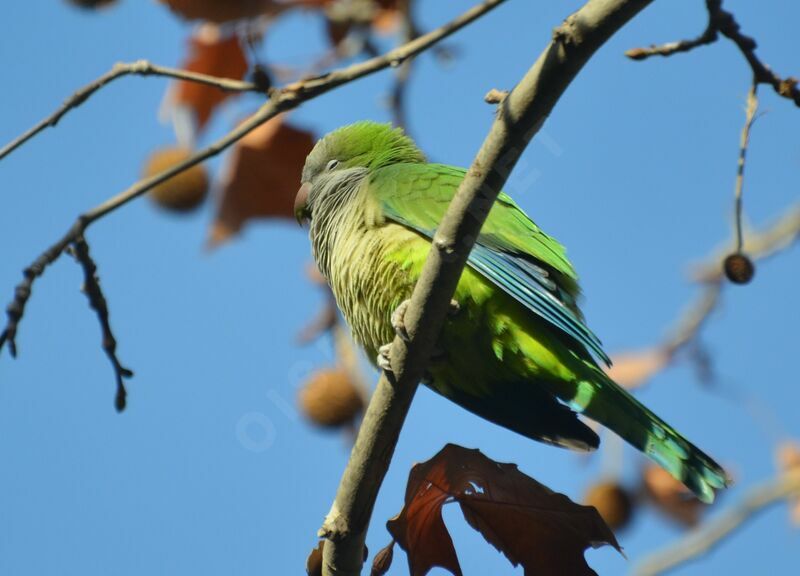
(316,161)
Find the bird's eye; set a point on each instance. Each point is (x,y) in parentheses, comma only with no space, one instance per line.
(331,165)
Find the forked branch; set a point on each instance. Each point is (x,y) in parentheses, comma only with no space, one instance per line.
(138,68)
(721,21)
(281,100)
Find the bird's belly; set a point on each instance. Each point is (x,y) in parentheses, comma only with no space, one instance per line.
(492,339)
(371,273)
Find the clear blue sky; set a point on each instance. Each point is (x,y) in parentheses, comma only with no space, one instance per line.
(633,172)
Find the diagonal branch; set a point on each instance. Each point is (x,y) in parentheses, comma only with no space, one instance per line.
(707,536)
(519,117)
(281,100)
(721,21)
(138,68)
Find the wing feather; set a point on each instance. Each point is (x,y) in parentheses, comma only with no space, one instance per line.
(511,251)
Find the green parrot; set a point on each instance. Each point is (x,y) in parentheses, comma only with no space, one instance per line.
(515,350)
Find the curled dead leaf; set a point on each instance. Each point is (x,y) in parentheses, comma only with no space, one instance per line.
(262,176)
(633,369)
(529,523)
(215,54)
(383,560)
(314,560)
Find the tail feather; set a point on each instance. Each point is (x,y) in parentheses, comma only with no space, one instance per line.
(603,400)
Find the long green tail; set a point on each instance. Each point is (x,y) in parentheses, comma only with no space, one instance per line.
(603,400)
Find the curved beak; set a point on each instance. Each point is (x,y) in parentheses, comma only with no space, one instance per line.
(300,203)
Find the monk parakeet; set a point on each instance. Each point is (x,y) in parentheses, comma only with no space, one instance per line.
(517,352)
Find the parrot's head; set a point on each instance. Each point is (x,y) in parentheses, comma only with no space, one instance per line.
(341,159)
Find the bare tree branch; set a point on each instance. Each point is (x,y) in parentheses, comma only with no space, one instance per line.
(397,96)
(759,245)
(138,68)
(708,535)
(708,36)
(281,100)
(721,21)
(636,369)
(752,108)
(91,286)
(519,117)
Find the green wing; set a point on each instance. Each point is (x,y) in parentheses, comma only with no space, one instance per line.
(511,251)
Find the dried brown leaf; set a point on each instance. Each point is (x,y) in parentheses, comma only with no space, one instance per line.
(383,560)
(219,11)
(529,523)
(314,560)
(386,21)
(216,55)
(262,177)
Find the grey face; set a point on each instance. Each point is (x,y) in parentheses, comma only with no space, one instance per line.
(319,164)
(325,180)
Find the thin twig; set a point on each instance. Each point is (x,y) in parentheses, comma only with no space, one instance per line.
(750,117)
(759,246)
(91,286)
(397,96)
(519,117)
(693,319)
(723,22)
(708,535)
(708,36)
(281,100)
(138,68)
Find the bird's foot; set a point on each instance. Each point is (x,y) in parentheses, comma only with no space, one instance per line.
(398,317)
(398,320)
(384,359)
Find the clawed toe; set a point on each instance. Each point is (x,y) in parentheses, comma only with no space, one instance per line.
(384,357)
(455,308)
(384,360)
(398,320)
(398,317)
